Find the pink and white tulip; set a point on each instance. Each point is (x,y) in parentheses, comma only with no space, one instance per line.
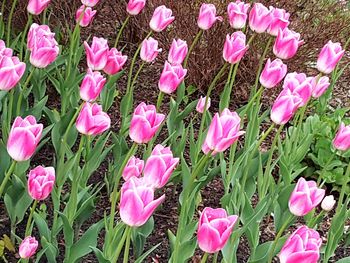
(35,7)
(28,247)
(178,51)
(329,57)
(260,18)
(97,53)
(162,17)
(273,73)
(90,3)
(11,72)
(201,104)
(171,77)
(238,14)
(319,86)
(133,168)
(92,85)
(135,7)
(4,51)
(235,47)
(115,62)
(287,44)
(207,16)
(300,85)
(342,139)
(279,21)
(40,182)
(85,15)
(149,50)
(38,32)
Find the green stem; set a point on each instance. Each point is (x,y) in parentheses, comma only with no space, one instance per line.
(215,260)
(29,221)
(137,74)
(24,34)
(7,177)
(343,188)
(121,31)
(3,9)
(226,96)
(205,257)
(194,43)
(314,220)
(120,245)
(9,23)
(160,100)
(127,245)
(265,134)
(24,87)
(44,17)
(10,109)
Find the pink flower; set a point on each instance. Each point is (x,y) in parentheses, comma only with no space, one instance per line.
(4,51)
(149,49)
(35,7)
(40,182)
(319,86)
(11,72)
(235,47)
(260,18)
(135,7)
(159,166)
(133,168)
(279,21)
(115,62)
(305,197)
(342,139)
(287,44)
(329,57)
(24,137)
(303,246)
(145,123)
(214,229)
(171,77)
(97,54)
(300,85)
(84,16)
(90,3)
(207,16)
(273,73)
(137,202)
(92,120)
(201,104)
(28,247)
(38,32)
(177,51)
(92,85)
(238,14)
(223,132)
(162,17)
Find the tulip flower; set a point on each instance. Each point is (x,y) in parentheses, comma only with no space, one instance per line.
(24,137)
(92,120)
(207,16)
(145,123)
(201,104)
(38,32)
(97,53)
(300,85)
(329,57)
(162,17)
(273,73)
(135,7)
(4,51)
(287,44)
(238,14)
(92,85)
(149,50)
(40,182)
(305,197)
(35,7)
(137,202)
(235,47)
(45,51)
(342,139)
(159,166)
(90,3)
(279,21)
(260,18)
(328,203)
(171,78)
(84,16)
(319,86)
(302,246)
(115,62)
(133,168)
(11,72)
(177,51)
(214,229)
(28,247)
(223,132)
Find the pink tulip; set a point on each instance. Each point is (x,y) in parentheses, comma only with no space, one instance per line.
(84,16)
(342,139)
(40,182)
(207,16)
(44,51)
(171,78)
(162,17)
(90,3)
(303,246)
(223,132)
(92,120)
(235,47)
(328,203)
(4,51)
(38,32)
(287,44)
(133,168)
(201,104)
(300,85)
(137,202)
(24,137)
(149,50)
(319,86)
(35,7)
(305,197)
(135,7)
(145,123)
(260,18)
(28,247)
(238,14)
(92,85)
(273,73)
(279,21)
(214,229)
(177,51)
(329,57)
(115,62)
(97,54)
(159,167)
(11,72)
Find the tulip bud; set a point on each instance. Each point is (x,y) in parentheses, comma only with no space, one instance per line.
(177,52)
(287,44)
(238,14)
(90,3)
(28,247)
(149,50)
(92,85)
(201,104)
(171,78)
(207,16)
(273,73)
(97,54)
(259,18)
(84,16)
(162,17)
(133,168)
(11,72)
(279,21)
(35,7)
(235,47)
(135,7)
(115,62)
(319,86)
(300,85)
(40,182)
(329,57)
(328,203)
(342,139)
